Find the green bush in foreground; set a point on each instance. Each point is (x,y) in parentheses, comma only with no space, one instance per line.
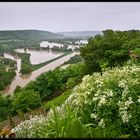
(107,104)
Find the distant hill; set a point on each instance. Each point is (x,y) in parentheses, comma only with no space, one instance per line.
(80,33)
(28,35)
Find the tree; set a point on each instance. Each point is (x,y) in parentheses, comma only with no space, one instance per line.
(26,100)
(107,50)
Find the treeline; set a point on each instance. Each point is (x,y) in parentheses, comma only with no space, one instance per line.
(111,49)
(66,41)
(6,76)
(34,93)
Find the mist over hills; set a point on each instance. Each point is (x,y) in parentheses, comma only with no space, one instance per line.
(80,33)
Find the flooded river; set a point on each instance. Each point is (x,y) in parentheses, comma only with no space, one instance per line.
(40,56)
(22,80)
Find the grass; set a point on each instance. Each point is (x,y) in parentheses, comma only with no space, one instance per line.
(57,101)
(38,66)
(136,51)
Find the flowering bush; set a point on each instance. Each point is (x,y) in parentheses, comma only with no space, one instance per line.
(111,99)
(30,128)
(109,102)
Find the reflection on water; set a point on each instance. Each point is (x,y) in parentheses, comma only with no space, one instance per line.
(39,56)
(22,80)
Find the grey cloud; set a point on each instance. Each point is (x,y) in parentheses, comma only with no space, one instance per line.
(69,16)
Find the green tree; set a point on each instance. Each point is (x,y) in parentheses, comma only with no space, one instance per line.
(26,100)
(107,50)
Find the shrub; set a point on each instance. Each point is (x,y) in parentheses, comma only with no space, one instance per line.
(25,100)
(111,100)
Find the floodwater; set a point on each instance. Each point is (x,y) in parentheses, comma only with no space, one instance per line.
(22,80)
(39,56)
(50,45)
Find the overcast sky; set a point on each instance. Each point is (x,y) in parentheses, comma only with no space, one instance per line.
(69,16)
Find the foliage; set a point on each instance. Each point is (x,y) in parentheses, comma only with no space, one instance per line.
(115,92)
(17,89)
(26,66)
(56,124)
(57,101)
(45,86)
(93,103)
(75,59)
(26,100)
(8,62)
(6,76)
(6,109)
(48,83)
(109,50)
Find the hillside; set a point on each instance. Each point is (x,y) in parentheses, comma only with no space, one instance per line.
(27,35)
(11,39)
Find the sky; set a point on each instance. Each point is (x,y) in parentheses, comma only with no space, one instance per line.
(69,16)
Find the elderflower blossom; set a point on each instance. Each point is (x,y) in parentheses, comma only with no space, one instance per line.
(86,78)
(99,83)
(125,117)
(101,123)
(95,98)
(102,101)
(94,116)
(122,83)
(28,127)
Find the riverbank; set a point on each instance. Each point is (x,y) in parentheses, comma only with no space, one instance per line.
(22,80)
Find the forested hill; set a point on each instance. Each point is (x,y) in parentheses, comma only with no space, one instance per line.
(28,35)
(80,33)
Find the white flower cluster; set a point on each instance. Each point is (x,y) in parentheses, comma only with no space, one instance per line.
(93,116)
(101,123)
(102,101)
(102,94)
(122,83)
(99,83)
(27,128)
(123,107)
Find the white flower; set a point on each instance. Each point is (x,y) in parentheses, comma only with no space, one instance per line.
(122,83)
(95,98)
(93,116)
(99,83)
(102,101)
(85,78)
(125,117)
(139,100)
(101,123)
(110,93)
